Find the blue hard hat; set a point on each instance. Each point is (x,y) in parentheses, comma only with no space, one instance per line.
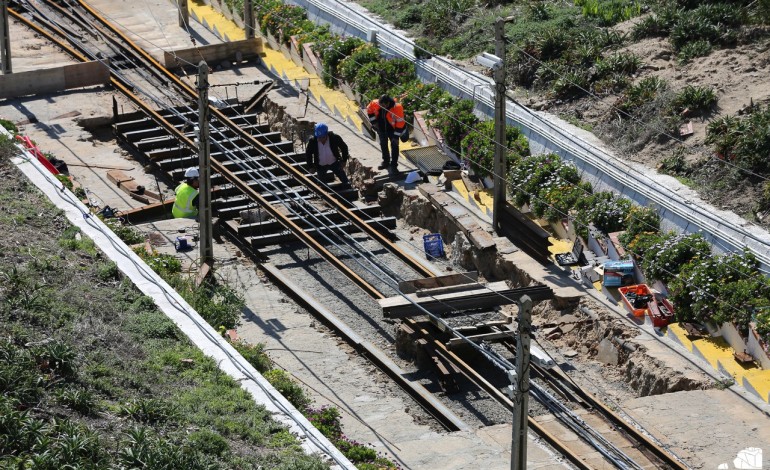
(321,129)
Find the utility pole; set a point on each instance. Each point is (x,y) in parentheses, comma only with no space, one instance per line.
(248,19)
(204,197)
(184,13)
(520,380)
(5,37)
(500,141)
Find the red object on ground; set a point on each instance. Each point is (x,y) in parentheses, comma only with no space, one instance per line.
(661,311)
(29,145)
(636,298)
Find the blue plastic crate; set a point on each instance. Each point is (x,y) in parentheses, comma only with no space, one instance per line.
(434,246)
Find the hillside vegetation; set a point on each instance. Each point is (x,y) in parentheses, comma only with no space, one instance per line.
(93,376)
(634,73)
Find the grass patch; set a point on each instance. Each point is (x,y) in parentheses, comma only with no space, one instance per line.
(81,346)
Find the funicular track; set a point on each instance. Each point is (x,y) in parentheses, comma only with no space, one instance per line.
(255,168)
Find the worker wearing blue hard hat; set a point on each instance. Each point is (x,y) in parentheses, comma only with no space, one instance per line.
(326,151)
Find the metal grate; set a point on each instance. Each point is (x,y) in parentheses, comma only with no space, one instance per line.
(426,158)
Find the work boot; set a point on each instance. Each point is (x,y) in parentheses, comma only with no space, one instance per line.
(393,170)
(383,165)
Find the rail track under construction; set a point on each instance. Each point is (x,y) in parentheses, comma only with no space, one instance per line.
(258,171)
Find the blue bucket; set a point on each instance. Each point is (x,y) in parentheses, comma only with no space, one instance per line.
(434,246)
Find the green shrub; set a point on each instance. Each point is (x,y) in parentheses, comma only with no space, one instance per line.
(219,305)
(317,35)
(208,442)
(440,17)
(609,12)
(650,26)
(640,244)
(81,400)
(127,233)
(635,96)
(332,51)
(663,260)
(605,210)
(108,272)
(9,126)
(538,174)
(676,164)
(693,50)
(148,410)
(640,220)
(762,320)
(286,387)
(555,202)
(163,264)
(254,355)
(716,23)
(697,99)
(455,122)
(479,147)
(20,378)
(327,420)
(284,21)
(720,289)
(744,140)
(141,448)
(57,358)
(378,78)
(362,55)
(418,96)
(408,16)
(622,64)
(72,239)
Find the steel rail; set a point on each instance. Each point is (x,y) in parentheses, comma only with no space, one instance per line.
(239,183)
(659,452)
(329,199)
(735,237)
(559,381)
(227,174)
(503,399)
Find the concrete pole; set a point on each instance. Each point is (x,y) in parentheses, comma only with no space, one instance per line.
(521,387)
(184,13)
(500,167)
(5,37)
(248,19)
(204,198)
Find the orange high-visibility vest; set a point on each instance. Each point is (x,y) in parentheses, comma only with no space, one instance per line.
(395,115)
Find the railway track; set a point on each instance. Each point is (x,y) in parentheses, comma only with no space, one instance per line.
(257,170)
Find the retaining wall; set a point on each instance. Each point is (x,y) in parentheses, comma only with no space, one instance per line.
(679,207)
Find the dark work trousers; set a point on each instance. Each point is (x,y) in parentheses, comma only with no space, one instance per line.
(392,157)
(335,168)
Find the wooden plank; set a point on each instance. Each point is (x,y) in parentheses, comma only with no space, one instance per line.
(410,287)
(149,212)
(212,53)
(129,185)
(203,273)
(494,295)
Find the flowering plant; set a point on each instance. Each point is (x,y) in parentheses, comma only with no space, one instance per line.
(540,174)
(605,210)
(720,289)
(479,147)
(664,259)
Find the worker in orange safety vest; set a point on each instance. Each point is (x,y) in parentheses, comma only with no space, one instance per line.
(387,118)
